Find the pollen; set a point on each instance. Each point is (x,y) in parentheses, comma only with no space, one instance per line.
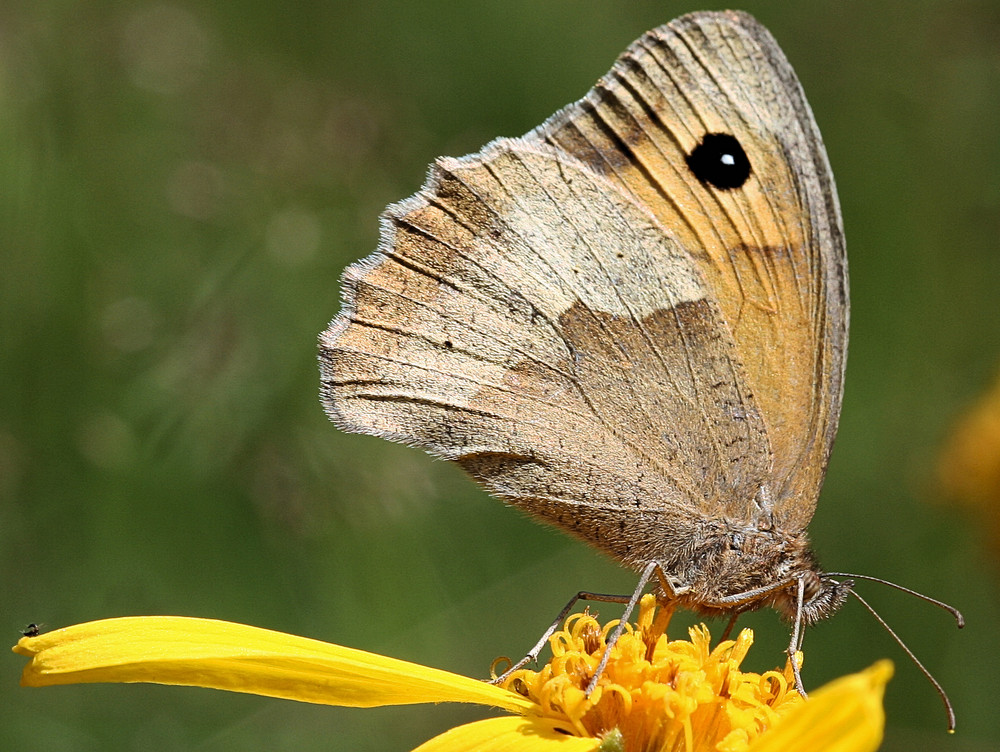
(656,694)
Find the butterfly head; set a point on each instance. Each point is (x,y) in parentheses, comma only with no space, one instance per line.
(822,596)
(792,562)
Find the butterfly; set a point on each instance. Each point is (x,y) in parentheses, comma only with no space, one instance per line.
(630,323)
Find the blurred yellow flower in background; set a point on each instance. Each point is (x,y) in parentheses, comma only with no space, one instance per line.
(969,465)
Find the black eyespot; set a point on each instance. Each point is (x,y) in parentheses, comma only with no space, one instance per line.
(720,161)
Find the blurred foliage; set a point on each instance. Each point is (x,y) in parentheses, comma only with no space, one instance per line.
(182,184)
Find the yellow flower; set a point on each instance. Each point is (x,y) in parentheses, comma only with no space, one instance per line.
(655,694)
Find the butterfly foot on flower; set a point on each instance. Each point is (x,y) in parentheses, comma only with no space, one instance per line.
(673,586)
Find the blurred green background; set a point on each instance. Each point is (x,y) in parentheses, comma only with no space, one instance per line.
(181,185)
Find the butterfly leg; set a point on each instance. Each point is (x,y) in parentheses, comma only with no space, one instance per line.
(729,627)
(647,574)
(795,642)
(535,651)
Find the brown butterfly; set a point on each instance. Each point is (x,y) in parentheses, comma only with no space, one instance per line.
(630,322)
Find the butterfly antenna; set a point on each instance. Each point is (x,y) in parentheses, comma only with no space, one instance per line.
(923,669)
(940,604)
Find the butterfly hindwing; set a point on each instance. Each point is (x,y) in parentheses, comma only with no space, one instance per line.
(533,323)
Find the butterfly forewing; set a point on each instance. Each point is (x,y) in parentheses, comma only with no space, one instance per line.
(771,251)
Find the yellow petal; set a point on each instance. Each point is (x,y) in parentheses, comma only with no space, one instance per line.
(239,658)
(846,715)
(509,734)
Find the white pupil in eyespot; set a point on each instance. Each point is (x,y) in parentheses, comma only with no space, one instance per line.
(728,159)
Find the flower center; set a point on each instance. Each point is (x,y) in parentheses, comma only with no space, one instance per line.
(658,694)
